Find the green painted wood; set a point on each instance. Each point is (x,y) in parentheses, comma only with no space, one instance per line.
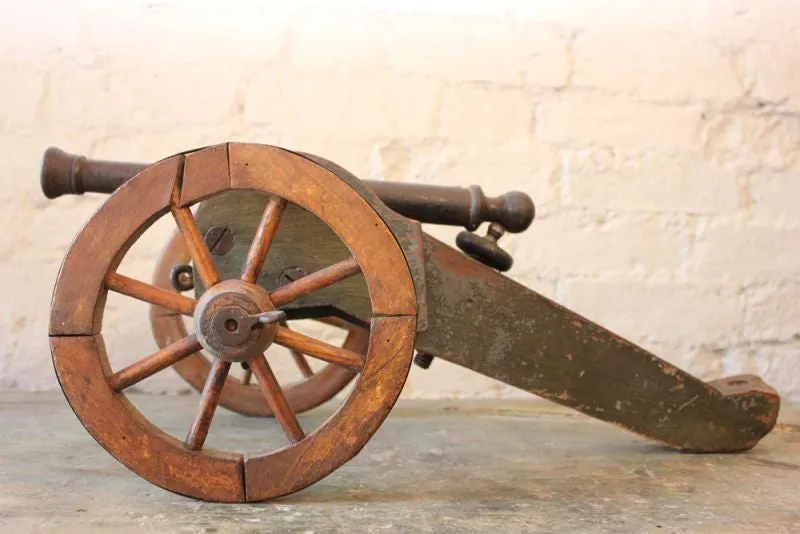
(302,240)
(488,323)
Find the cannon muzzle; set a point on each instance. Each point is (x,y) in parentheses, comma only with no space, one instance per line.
(71,174)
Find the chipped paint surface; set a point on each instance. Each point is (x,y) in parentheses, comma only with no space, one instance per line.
(486,322)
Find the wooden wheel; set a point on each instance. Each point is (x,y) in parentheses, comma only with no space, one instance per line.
(223,317)
(242,395)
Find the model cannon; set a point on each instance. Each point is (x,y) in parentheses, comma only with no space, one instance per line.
(279,236)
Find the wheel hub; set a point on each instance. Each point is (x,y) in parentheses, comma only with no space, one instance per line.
(224,322)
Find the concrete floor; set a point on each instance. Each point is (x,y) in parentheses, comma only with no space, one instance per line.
(433,467)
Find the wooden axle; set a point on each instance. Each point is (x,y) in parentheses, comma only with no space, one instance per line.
(71,174)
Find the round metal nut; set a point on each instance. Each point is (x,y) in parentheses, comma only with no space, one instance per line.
(182,277)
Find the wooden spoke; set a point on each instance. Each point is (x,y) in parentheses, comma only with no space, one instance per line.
(203,263)
(152,294)
(263,239)
(318,349)
(248,375)
(300,360)
(208,404)
(276,399)
(154,363)
(302,364)
(315,281)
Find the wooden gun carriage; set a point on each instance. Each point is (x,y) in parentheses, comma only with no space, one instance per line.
(279,236)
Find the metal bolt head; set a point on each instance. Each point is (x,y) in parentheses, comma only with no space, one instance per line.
(290,274)
(185,279)
(219,240)
(423,360)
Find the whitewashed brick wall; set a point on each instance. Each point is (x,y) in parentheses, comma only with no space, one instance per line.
(661,141)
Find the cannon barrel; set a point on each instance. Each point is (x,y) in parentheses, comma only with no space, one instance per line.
(71,174)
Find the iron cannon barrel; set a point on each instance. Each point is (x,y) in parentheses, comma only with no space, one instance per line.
(71,174)
(456,206)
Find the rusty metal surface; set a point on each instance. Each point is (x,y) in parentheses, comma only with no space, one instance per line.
(69,174)
(456,206)
(486,322)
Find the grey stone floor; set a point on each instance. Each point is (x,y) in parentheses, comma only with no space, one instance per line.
(452,466)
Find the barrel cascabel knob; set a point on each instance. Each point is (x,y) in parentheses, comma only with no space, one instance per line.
(514,211)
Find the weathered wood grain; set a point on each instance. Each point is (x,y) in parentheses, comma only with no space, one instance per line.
(162,298)
(81,366)
(276,399)
(265,233)
(189,468)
